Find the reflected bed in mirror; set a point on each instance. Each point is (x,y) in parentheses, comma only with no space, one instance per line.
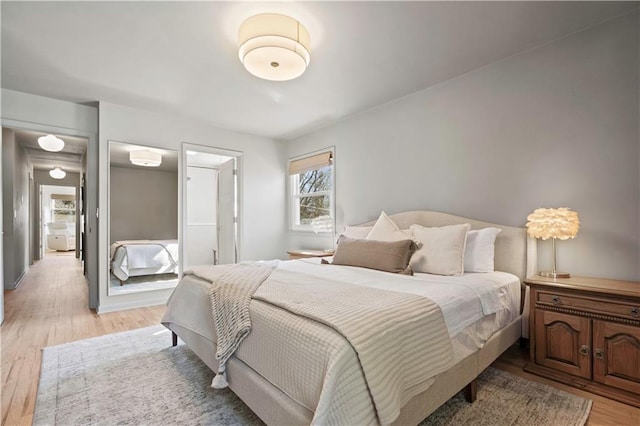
(143,218)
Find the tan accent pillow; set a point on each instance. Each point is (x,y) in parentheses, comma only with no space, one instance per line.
(442,250)
(389,256)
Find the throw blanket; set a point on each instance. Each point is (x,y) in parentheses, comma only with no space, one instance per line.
(400,339)
(231,291)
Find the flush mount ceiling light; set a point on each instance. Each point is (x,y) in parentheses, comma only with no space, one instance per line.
(274,47)
(57,173)
(145,158)
(51,143)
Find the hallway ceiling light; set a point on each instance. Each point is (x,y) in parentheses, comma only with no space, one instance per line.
(274,47)
(50,143)
(145,158)
(57,173)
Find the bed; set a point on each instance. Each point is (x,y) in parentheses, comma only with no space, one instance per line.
(133,258)
(309,374)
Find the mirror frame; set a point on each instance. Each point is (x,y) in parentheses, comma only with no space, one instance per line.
(108,218)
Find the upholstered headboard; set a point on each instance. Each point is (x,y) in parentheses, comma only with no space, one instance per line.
(515,251)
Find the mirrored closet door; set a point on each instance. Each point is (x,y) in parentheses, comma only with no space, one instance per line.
(143,218)
(211,208)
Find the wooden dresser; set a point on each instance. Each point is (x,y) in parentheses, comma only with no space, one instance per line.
(585,332)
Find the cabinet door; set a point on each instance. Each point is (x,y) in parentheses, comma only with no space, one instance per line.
(616,355)
(562,342)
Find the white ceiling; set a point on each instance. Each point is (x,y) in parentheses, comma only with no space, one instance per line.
(181,57)
(69,159)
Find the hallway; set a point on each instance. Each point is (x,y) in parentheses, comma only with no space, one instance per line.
(48,308)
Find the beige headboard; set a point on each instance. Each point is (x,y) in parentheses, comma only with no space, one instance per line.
(515,251)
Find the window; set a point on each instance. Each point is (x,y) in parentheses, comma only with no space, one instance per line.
(312,204)
(63,208)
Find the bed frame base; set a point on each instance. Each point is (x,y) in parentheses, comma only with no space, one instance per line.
(276,408)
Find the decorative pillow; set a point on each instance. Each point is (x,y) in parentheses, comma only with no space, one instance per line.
(442,250)
(480,250)
(357,232)
(389,256)
(386,230)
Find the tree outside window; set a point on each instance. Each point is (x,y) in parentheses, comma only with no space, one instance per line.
(312,199)
(63,210)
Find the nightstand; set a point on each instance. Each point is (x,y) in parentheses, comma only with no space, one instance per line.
(585,332)
(301,254)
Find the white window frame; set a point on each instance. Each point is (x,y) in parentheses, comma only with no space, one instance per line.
(294,195)
(54,209)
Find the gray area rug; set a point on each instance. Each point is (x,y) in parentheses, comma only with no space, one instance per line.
(138,378)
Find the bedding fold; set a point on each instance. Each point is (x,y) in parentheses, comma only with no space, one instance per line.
(400,339)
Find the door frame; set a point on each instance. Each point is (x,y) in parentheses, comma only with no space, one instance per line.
(238,155)
(91,173)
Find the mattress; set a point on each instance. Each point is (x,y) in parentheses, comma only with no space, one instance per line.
(314,368)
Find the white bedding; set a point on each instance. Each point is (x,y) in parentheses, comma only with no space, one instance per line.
(318,371)
(463,299)
(143,257)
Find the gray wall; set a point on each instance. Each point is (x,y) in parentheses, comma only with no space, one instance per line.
(15,205)
(555,126)
(143,204)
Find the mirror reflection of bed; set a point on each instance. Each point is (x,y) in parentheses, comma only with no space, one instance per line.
(143,218)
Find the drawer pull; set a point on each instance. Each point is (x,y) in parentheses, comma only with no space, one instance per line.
(584,350)
(598,353)
(635,311)
(555,300)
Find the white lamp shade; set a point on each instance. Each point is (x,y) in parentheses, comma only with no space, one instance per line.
(145,158)
(57,173)
(51,143)
(561,223)
(274,47)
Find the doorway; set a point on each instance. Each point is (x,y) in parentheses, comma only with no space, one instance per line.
(58,220)
(211,223)
(31,167)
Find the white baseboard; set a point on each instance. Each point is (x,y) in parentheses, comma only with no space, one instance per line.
(132,304)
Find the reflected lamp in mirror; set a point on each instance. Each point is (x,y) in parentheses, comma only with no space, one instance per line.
(145,158)
(57,173)
(51,143)
(560,223)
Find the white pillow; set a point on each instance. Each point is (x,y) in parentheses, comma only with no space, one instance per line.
(357,232)
(442,250)
(386,230)
(480,250)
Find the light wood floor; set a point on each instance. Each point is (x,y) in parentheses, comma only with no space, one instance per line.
(50,308)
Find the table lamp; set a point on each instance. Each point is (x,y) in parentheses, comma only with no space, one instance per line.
(560,223)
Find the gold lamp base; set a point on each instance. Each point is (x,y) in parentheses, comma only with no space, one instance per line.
(554,274)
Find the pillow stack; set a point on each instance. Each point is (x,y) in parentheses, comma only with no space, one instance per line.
(445,250)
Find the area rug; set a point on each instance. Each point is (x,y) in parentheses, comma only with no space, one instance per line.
(138,378)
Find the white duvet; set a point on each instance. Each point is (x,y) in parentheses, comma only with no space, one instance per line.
(464,300)
(147,256)
(313,365)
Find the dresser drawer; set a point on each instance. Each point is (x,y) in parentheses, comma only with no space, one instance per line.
(588,304)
